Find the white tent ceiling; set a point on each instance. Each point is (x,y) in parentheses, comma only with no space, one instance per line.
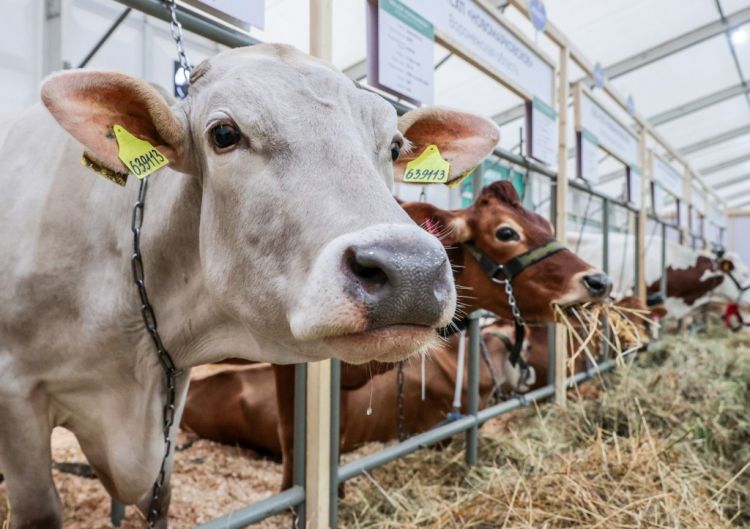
(610,32)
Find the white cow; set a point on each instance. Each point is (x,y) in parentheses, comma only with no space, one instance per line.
(272,236)
(694,278)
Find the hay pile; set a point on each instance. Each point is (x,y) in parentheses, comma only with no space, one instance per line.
(666,445)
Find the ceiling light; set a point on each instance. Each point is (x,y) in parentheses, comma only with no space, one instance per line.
(739,36)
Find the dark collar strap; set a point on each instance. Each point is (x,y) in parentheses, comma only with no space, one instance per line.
(518,264)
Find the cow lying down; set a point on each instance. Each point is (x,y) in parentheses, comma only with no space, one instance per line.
(271,235)
(237,404)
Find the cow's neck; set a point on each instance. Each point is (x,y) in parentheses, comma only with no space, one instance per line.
(193,326)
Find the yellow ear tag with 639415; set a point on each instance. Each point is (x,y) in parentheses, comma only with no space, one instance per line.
(427,168)
(138,155)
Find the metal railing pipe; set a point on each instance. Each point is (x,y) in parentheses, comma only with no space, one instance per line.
(472,390)
(300,434)
(276,504)
(209,28)
(335,441)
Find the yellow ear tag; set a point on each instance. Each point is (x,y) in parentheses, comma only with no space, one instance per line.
(138,155)
(428,168)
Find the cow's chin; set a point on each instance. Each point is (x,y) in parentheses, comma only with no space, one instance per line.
(386,344)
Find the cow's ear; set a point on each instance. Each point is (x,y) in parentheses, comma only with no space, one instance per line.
(726,266)
(451,227)
(464,139)
(89,103)
(658,312)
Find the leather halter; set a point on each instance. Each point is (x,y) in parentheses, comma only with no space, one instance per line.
(510,270)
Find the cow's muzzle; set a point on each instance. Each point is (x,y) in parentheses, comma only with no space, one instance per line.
(598,285)
(399,282)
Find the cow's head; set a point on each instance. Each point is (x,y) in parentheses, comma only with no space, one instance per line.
(501,228)
(300,238)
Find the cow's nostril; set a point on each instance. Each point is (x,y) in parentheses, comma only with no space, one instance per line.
(599,285)
(365,267)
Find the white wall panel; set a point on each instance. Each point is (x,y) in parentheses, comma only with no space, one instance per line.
(20,53)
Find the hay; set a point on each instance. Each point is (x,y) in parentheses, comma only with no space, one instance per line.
(667,445)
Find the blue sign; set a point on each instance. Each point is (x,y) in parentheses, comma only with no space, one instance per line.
(598,75)
(538,14)
(631,105)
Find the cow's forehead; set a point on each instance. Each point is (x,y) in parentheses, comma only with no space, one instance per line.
(286,85)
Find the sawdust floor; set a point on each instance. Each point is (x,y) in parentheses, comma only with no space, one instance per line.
(209,480)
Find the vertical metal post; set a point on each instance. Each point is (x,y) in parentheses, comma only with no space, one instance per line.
(605,236)
(663,281)
(117,513)
(640,291)
(605,267)
(472,390)
(335,439)
(300,434)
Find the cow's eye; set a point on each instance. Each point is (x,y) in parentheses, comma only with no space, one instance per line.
(395,150)
(507,234)
(225,136)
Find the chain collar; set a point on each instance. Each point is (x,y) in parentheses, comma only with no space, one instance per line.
(165,360)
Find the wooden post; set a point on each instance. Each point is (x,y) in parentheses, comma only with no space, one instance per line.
(640,288)
(561,199)
(318,477)
(687,199)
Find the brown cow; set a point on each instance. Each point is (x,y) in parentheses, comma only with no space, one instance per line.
(237,404)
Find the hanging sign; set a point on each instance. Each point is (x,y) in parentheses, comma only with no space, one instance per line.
(542,132)
(588,159)
(630,105)
(612,135)
(402,44)
(538,14)
(475,31)
(667,176)
(598,75)
(242,14)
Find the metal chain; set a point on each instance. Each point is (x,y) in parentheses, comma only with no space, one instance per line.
(170,370)
(400,401)
(511,300)
(176,29)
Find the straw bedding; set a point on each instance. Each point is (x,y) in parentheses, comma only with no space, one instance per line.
(665,444)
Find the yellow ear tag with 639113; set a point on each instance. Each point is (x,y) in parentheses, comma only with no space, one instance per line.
(427,168)
(138,155)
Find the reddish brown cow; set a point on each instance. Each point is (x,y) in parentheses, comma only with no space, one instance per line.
(237,404)
(496,229)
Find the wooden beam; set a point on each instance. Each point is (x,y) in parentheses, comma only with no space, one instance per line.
(561,200)
(318,454)
(645,163)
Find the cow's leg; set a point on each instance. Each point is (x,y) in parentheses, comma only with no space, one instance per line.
(284,377)
(27,465)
